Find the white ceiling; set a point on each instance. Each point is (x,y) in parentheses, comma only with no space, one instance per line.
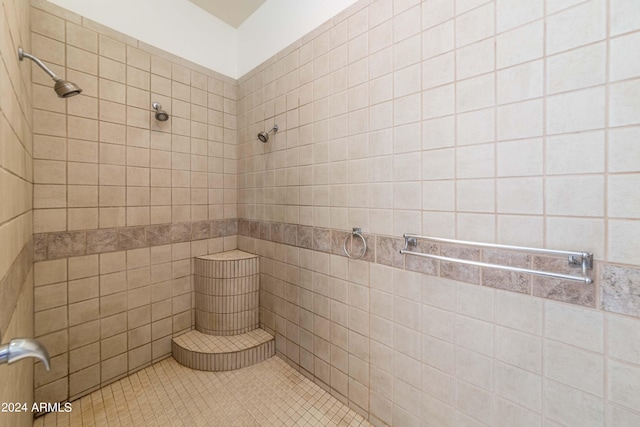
(206,40)
(233,12)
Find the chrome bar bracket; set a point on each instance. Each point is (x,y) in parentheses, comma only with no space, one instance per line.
(585,261)
(409,241)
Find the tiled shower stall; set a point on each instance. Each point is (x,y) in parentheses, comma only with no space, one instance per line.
(502,121)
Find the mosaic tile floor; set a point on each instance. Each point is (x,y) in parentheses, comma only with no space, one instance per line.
(270,393)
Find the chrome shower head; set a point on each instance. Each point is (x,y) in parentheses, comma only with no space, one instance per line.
(161,115)
(64,88)
(264,136)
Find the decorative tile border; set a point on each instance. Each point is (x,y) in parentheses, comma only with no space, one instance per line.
(381,249)
(64,244)
(615,286)
(202,352)
(621,290)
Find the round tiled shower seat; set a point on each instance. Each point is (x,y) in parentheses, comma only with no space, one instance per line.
(227,287)
(227,335)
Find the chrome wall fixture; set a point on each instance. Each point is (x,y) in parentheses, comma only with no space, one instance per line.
(21,348)
(264,136)
(356,231)
(64,88)
(584,260)
(161,115)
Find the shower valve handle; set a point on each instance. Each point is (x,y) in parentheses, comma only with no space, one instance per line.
(21,348)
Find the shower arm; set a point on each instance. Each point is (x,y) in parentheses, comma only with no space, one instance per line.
(23,54)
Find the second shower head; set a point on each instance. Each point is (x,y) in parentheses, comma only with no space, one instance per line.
(161,115)
(264,136)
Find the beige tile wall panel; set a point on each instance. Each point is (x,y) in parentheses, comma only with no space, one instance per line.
(16,204)
(474,120)
(134,198)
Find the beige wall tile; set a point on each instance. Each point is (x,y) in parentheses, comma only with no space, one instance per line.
(518,349)
(569,405)
(50,320)
(83,311)
(623,376)
(474,334)
(83,334)
(47,272)
(474,401)
(49,148)
(112,70)
(81,60)
(139,356)
(47,25)
(519,312)
(82,38)
(47,49)
(50,296)
(84,357)
(49,196)
(621,342)
(82,219)
(81,128)
(84,380)
(575,367)
(82,195)
(114,367)
(581,116)
(519,385)
(138,58)
(111,48)
(574,325)
(83,289)
(50,172)
(113,133)
(576,69)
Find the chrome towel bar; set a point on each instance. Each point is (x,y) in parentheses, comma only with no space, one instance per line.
(577,259)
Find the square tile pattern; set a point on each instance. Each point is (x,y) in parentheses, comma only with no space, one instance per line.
(166,393)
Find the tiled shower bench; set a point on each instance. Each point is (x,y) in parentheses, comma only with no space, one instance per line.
(227,334)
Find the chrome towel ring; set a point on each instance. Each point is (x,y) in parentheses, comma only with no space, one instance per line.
(357,231)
